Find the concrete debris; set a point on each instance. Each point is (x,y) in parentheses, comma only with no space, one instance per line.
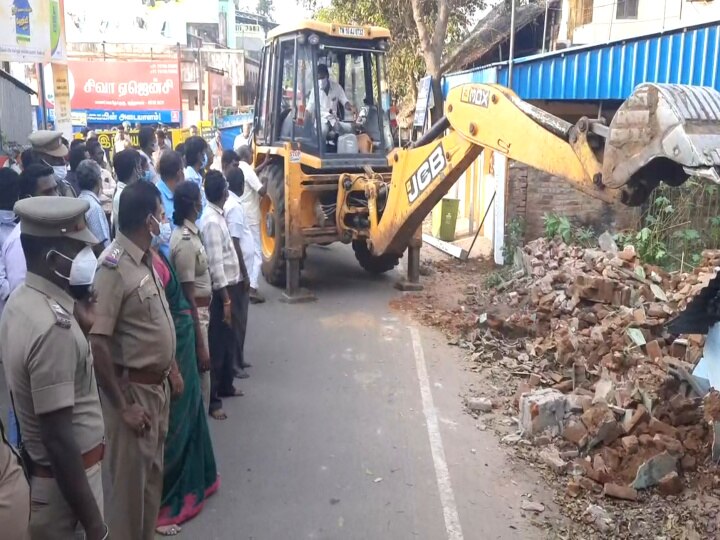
(607,243)
(480,405)
(542,410)
(530,506)
(655,469)
(597,517)
(551,458)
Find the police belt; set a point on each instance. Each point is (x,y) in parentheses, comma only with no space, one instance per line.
(89,459)
(141,376)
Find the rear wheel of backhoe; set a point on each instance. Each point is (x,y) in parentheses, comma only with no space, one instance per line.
(272,225)
(375,264)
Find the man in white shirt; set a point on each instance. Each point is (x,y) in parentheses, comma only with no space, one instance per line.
(127,171)
(243,139)
(250,201)
(331,93)
(122,139)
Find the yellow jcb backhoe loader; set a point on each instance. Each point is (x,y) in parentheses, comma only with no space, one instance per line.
(329,179)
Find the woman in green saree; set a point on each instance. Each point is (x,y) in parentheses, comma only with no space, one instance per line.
(190,474)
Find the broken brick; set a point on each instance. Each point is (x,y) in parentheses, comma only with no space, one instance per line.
(670,484)
(620,492)
(658,426)
(634,418)
(576,433)
(653,350)
(630,444)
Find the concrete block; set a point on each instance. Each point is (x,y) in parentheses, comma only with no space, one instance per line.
(655,469)
(542,410)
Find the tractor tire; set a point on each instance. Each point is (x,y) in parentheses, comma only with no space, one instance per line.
(375,264)
(272,225)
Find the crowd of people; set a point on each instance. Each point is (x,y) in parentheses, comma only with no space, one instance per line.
(124,300)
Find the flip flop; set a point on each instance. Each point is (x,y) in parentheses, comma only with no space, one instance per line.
(219,414)
(168,530)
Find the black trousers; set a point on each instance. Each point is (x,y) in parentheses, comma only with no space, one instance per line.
(226,343)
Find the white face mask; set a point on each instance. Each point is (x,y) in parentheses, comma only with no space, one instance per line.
(82,271)
(60,171)
(164,236)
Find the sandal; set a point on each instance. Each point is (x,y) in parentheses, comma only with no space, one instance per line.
(169,530)
(218,414)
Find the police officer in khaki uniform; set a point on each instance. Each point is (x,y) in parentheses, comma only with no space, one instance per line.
(49,369)
(49,148)
(133,340)
(188,258)
(14,492)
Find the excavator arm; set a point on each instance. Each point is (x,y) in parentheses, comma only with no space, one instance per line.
(661,133)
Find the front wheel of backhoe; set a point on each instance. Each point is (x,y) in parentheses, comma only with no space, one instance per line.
(272,225)
(375,264)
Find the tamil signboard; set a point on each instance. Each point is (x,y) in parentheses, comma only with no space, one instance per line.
(31,31)
(126,86)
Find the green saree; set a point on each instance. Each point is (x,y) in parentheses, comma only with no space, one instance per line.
(190,474)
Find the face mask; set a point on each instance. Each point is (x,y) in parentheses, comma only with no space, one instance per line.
(165,233)
(204,161)
(60,171)
(82,271)
(147,175)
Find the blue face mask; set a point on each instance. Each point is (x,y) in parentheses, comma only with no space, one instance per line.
(148,175)
(204,161)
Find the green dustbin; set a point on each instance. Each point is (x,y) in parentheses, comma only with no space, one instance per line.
(445,219)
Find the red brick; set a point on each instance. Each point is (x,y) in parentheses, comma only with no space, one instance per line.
(671,484)
(620,492)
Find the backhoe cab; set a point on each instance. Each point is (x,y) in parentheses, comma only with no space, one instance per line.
(337,177)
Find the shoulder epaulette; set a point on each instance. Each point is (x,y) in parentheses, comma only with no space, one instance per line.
(186,234)
(62,318)
(111,259)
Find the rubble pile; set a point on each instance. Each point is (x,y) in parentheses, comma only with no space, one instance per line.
(605,392)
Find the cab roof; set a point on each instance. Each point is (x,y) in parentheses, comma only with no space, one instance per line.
(331,29)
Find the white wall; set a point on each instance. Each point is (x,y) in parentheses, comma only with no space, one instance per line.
(653,16)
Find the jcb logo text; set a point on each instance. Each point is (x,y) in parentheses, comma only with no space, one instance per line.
(431,168)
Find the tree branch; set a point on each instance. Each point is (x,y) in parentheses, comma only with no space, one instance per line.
(425,40)
(441,25)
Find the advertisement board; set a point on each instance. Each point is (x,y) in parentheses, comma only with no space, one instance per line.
(125,86)
(31,31)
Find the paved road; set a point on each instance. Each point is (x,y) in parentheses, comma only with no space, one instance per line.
(352,428)
(331,440)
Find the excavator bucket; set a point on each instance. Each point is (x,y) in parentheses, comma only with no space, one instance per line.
(663,133)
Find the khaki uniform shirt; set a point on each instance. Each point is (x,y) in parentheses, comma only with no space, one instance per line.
(132,309)
(49,365)
(188,257)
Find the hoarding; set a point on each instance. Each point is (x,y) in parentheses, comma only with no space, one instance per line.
(31,31)
(125,86)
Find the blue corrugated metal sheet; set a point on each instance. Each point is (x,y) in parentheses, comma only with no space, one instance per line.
(611,70)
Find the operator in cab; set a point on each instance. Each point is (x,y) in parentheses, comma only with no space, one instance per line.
(331,94)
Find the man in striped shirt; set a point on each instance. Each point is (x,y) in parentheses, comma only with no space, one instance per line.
(229,304)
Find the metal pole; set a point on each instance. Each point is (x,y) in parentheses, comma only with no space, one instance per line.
(664,13)
(200,82)
(547,7)
(43,103)
(511,56)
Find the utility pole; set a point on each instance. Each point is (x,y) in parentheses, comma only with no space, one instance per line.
(511,57)
(43,101)
(201,76)
(547,7)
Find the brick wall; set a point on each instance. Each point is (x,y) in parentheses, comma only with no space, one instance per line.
(533,193)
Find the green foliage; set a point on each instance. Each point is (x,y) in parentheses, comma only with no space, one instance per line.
(514,238)
(586,237)
(558,226)
(265,7)
(678,223)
